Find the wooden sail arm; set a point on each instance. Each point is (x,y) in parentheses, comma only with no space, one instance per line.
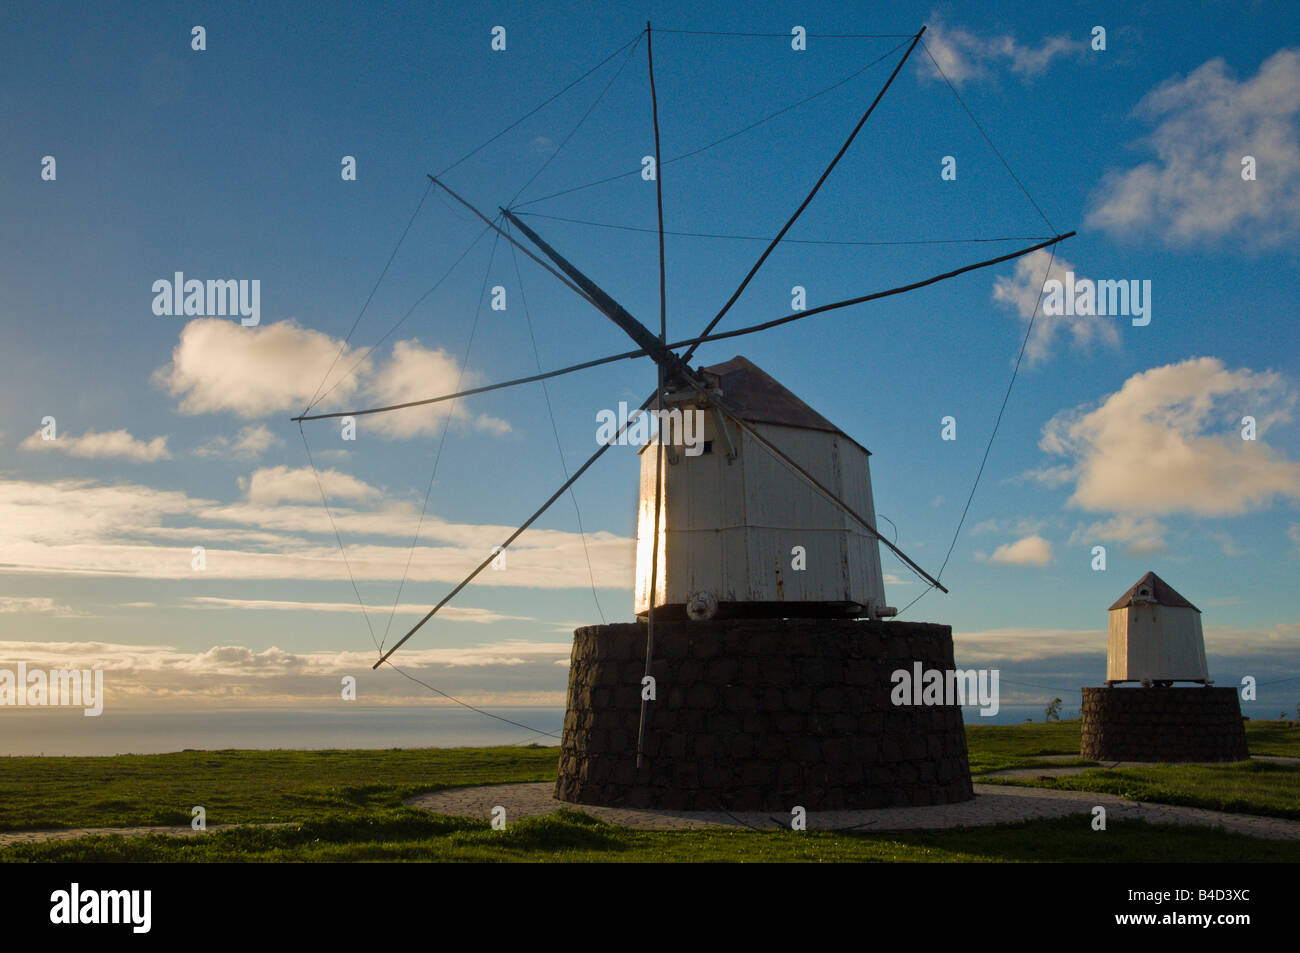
(510,238)
(638,332)
(518,532)
(807,199)
(581,285)
(695,341)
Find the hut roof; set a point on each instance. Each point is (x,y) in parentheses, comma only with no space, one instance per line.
(1161,593)
(759,398)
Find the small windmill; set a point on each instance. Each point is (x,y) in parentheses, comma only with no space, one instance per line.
(1155,638)
(843,492)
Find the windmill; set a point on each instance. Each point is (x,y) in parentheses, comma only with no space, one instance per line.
(1154,638)
(679,384)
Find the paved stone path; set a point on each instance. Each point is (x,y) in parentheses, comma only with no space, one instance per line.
(1107,766)
(8,838)
(993,804)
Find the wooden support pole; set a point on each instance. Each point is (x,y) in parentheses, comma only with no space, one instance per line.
(659,442)
(513,536)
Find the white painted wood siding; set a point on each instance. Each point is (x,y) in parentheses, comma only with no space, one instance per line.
(1151,641)
(728,526)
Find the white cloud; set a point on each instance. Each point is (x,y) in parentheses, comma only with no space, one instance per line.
(43,605)
(1000,646)
(94,445)
(1193,190)
(1228,546)
(1021,291)
(222,367)
(1032,60)
(965,56)
(1149,449)
(448,613)
(250,443)
(414,372)
(512,672)
(219,366)
(87,528)
(954,50)
(1030,551)
(299,485)
(1145,536)
(1016,526)
(524,672)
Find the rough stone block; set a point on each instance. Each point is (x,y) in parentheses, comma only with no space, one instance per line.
(760,715)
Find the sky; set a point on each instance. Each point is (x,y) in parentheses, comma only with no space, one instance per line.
(173,431)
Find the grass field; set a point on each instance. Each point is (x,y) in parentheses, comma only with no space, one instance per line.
(1252,787)
(999,747)
(569,836)
(347,805)
(239,787)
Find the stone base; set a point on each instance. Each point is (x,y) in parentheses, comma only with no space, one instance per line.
(1162,724)
(762,714)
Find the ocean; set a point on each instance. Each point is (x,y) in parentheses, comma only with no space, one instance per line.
(69,732)
(53,731)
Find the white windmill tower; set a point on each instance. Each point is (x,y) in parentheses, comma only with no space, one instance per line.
(741,535)
(1155,639)
(1155,636)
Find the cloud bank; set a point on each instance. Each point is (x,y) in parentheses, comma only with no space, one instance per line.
(1204,124)
(220,366)
(1169,441)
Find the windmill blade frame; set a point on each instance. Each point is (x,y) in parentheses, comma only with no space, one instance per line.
(672,368)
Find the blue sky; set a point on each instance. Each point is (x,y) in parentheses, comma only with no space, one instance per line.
(225,163)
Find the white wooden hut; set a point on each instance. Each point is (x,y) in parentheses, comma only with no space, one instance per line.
(735,520)
(1155,636)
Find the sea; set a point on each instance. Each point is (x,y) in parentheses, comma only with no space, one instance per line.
(124,731)
(52,731)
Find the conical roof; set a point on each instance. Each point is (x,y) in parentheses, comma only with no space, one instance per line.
(757,397)
(1161,593)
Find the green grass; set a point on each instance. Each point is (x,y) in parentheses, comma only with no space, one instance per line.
(1023,741)
(245,787)
(1245,787)
(1279,738)
(1001,747)
(570,836)
(347,805)
(1252,787)
(252,787)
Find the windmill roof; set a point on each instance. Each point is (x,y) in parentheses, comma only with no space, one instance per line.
(758,397)
(1161,593)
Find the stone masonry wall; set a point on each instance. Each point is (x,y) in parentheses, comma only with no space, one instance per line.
(1162,724)
(761,714)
